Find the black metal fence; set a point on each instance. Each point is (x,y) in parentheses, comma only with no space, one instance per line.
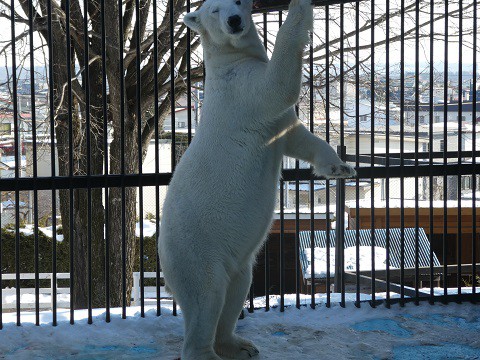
(92,127)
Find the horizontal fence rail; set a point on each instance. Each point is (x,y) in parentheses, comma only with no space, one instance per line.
(52,290)
(163,179)
(100,99)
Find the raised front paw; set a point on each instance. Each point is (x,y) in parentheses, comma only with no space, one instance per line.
(302,10)
(336,171)
(301,3)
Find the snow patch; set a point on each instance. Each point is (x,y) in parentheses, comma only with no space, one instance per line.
(365,260)
(29,230)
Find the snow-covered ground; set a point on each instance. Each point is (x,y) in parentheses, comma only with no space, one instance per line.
(412,332)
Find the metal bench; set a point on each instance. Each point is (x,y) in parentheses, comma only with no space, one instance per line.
(380,240)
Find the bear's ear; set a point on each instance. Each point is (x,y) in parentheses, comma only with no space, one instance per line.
(192,20)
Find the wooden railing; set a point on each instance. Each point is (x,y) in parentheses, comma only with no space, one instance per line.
(28,302)
(27,295)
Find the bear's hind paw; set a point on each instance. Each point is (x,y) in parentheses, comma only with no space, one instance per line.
(237,348)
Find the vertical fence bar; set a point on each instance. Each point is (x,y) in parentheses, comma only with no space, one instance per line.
(387,148)
(122,155)
(267,253)
(459,148)
(339,235)
(54,240)
(357,150)
(70,156)
(312,182)
(417,101)
(402,147)
(158,283)
(34,165)
(282,247)
(282,221)
(140,154)
(328,241)
(1,286)
(52,159)
(105,159)
(372,144)
(251,307)
(171,6)
(337,283)
(157,164)
(16,127)
(474,150)
(342,78)
(445,155)
(124,246)
(86,79)
(327,139)
(297,227)
(189,80)
(431,140)
(340,182)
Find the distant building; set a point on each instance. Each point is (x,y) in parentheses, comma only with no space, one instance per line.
(181,120)
(439,110)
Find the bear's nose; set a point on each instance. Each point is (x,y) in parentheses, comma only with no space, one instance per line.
(234,22)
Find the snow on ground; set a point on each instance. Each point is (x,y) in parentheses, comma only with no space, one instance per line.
(149,229)
(412,332)
(47,231)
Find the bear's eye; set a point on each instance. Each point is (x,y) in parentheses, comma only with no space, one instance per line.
(215,11)
(238,2)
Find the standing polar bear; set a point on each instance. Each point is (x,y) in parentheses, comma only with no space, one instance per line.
(221,198)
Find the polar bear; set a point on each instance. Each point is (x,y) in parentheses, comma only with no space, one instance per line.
(221,198)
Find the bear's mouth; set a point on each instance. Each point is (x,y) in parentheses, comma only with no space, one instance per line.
(237,30)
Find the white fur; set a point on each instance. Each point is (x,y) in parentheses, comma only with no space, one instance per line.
(221,198)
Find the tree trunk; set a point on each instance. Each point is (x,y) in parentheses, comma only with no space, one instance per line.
(121,224)
(88,231)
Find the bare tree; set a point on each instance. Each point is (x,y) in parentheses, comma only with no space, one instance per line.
(80,36)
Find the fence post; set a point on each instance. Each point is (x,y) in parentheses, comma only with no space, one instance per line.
(51,290)
(339,228)
(136,288)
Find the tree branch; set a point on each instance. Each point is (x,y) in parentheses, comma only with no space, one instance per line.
(163,110)
(127,19)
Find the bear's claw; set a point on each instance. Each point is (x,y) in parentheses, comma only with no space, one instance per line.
(251,351)
(336,171)
(237,348)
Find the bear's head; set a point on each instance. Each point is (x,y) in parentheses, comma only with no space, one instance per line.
(223,21)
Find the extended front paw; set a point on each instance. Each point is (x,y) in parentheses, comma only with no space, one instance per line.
(336,171)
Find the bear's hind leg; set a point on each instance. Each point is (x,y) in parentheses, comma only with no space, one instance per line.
(227,343)
(201,309)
